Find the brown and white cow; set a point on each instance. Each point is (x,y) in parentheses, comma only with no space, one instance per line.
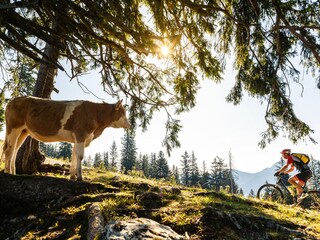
(46,120)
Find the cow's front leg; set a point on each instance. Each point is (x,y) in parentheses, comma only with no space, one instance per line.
(79,147)
(73,163)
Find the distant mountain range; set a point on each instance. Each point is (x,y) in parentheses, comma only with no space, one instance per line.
(248,181)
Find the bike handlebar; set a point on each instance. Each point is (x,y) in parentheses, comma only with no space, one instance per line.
(277,174)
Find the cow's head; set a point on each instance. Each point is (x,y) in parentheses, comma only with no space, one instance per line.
(121,120)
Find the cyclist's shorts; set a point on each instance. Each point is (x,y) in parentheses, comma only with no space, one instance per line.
(305,175)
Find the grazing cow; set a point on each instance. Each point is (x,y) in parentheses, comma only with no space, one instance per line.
(46,120)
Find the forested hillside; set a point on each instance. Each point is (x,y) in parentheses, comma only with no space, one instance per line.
(215,174)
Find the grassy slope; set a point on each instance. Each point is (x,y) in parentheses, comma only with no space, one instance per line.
(184,211)
(231,217)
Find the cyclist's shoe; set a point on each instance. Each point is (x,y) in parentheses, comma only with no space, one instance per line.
(302,196)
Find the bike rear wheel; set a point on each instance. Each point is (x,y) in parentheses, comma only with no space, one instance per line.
(313,200)
(270,192)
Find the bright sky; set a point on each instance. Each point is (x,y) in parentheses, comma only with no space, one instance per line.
(212,128)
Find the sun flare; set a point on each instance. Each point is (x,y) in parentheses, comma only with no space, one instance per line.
(165,50)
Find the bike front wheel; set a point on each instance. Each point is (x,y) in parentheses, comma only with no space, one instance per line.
(270,192)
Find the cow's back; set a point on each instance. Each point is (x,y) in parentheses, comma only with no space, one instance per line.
(16,112)
(42,116)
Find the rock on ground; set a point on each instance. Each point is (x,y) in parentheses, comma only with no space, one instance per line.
(139,228)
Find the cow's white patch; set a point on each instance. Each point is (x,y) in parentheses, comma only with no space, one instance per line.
(69,111)
(63,134)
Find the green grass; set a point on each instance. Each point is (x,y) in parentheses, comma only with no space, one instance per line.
(183,212)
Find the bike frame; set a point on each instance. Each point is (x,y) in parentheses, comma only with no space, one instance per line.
(280,183)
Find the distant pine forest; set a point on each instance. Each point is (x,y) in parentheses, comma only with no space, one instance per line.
(220,175)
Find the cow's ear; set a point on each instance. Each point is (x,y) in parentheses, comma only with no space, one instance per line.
(118,104)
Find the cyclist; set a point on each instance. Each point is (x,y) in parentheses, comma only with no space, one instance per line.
(299,180)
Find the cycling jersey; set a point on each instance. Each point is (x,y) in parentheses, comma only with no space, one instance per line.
(297,163)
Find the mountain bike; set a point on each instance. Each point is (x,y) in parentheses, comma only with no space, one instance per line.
(280,193)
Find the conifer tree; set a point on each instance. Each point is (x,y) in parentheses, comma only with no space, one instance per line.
(251,194)
(47,149)
(194,170)
(65,150)
(205,180)
(23,77)
(145,167)
(128,151)
(241,191)
(138,163)
(87,161)
(175,173)
(113,156)
(105,159)
(316,175)
(314,182)
(162,166)
(232,175)
(185,168)
(153,165)
(97,160)
(218,173)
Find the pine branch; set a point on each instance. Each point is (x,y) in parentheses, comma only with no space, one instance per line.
(311,46)
(27,52)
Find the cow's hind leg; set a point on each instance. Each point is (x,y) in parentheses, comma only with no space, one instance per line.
(6,161)
(20,141)
(12,144)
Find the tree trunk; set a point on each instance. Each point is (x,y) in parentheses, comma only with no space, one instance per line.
(29,157)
